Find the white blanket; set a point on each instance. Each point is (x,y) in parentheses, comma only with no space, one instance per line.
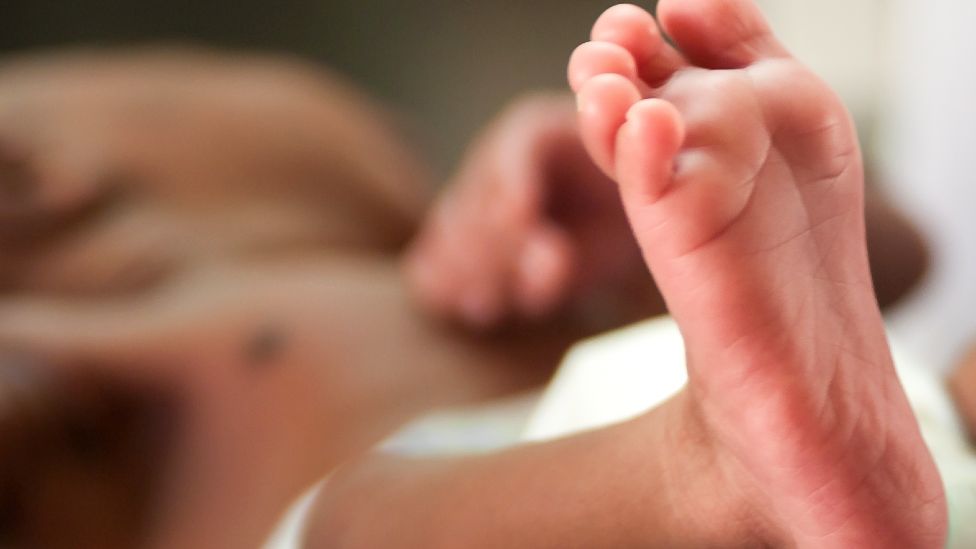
(618,376)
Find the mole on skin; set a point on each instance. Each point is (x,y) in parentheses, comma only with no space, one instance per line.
(266,345)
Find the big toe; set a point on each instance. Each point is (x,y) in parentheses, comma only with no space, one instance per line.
(719,34)
(635,30)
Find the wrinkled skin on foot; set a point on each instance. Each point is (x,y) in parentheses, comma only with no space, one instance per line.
(742,178)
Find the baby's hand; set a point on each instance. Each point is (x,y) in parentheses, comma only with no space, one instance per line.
(528,227)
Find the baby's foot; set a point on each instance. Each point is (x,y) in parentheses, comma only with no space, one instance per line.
(742,178)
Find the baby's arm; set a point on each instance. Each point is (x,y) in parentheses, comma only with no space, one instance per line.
(280,371)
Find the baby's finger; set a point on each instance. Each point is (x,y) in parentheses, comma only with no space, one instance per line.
(451,267)
(544,270)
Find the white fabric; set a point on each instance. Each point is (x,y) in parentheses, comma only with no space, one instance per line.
(622,374)
(927,139)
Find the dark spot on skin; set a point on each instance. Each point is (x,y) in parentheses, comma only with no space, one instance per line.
(264,346)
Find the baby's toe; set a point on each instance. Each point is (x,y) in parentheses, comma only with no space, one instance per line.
(595,58)
(635,30)
(719,34)
(646,149)
(603,103)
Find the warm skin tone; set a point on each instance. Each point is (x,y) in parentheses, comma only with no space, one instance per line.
(744,187)
(254,431)
(121,194)
(962,386)
(529,229)
(118,260)
(741,176)
(117,170)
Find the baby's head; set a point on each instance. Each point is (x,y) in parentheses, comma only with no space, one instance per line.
(120,167)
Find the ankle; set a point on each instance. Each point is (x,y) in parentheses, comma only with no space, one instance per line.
(707,508)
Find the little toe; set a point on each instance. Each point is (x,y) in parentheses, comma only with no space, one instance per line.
(603,103)
(635,30)
(594,58)
(720,34)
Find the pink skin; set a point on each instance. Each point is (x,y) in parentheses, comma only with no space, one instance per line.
(741,175)
(528,228)
(258,196)
(249,434)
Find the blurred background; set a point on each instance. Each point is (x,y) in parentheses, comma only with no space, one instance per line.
(447,66)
